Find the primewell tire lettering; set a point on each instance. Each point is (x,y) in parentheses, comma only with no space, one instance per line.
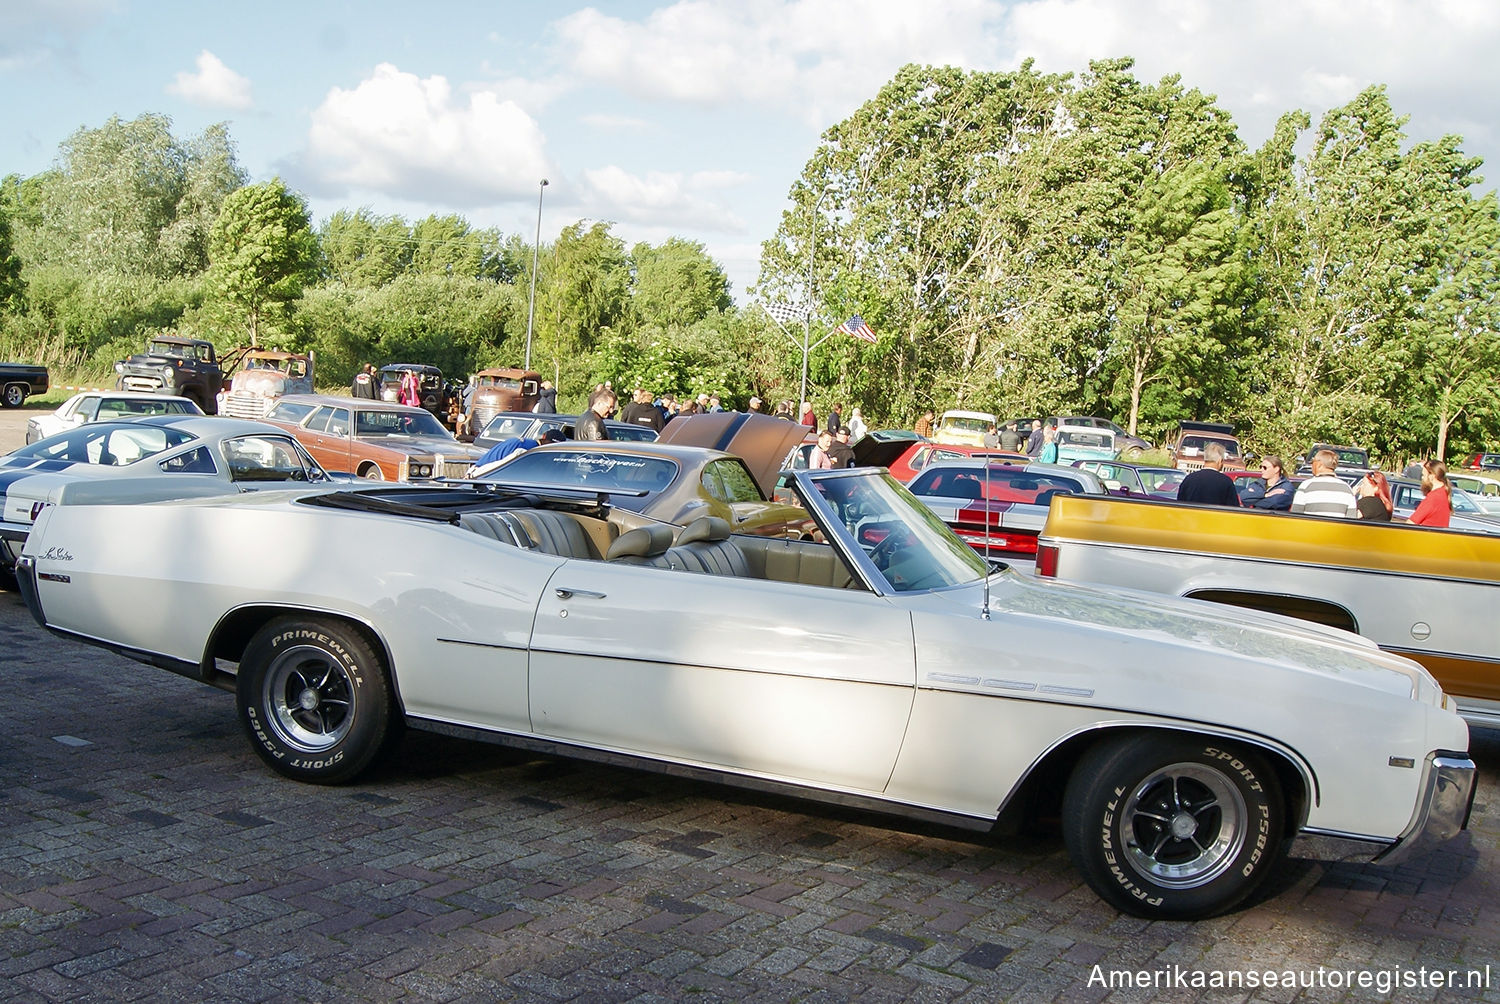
(317,699)
(1162,827)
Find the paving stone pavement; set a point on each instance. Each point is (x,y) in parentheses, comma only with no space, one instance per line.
(146,854)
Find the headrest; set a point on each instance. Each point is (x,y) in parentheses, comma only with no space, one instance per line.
(642,542)
(709,528)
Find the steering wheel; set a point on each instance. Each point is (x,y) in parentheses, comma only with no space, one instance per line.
(897,536)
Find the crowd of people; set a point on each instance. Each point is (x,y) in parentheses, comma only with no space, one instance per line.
(1324,493)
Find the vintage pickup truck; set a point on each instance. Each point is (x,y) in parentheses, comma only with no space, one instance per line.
(1428,594)
(18,381)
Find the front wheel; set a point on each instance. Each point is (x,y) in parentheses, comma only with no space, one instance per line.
(14,396)
(315,699)
(1173,827)
(371,472)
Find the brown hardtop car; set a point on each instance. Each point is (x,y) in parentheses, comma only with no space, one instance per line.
(674,482)
(379,440)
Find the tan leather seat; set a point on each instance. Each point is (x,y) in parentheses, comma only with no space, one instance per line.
(704,545)
(645,545)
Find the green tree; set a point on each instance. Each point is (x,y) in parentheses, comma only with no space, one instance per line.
(447,245)
(580,296)
(1351,246)
(12,287)
(362,249)
(676,283)
(889,217)
(263,254)
(130,198)
(1182,287)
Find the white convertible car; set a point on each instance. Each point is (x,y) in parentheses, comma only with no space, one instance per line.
(1183,745)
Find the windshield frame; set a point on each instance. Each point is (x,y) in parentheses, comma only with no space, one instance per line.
(905,509)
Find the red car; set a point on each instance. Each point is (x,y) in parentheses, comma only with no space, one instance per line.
(1482,462)
(917,456)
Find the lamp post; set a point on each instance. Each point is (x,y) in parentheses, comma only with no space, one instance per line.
(535,251)
(812,249)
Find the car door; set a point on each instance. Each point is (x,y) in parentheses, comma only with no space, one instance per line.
(802,682)
(329,442)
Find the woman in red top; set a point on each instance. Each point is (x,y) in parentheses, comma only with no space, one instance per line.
(1436,508)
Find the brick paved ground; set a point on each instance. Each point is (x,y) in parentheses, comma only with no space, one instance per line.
(146,854)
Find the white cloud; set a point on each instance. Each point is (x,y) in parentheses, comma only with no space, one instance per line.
(662,198)
(615,123)
(818,58)
(411,138)
(214,85)
(1265,57)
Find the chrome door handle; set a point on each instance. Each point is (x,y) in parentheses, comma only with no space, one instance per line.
(564,593)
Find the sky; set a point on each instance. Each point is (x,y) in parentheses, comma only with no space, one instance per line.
(688,119)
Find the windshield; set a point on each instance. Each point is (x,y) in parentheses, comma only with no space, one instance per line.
(1004,484)
(591,471)
(965,423)
(1192,446)
(107,445)
(1094,438)
(900,540)
(398,423)
(269,458)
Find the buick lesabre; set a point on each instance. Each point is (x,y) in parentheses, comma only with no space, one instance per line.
(887,666)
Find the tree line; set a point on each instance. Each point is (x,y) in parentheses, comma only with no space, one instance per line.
(1031,243)
(1021,243)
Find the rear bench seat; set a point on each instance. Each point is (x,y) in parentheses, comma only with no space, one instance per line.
(535,530)
(702,546)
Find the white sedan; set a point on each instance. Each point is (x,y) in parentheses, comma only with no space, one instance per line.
(1183,745)
(104,406)
(167,456)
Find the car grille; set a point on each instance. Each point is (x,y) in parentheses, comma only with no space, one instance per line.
(481,417)
(145,385)
(455,468)
(241,405)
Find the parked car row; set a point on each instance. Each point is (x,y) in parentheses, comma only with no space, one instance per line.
(860,661)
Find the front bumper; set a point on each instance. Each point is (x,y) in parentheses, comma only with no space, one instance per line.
(1446,799)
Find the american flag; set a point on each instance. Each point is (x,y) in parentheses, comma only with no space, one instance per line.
(857,327)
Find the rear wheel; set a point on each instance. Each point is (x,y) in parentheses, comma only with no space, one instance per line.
(315,699)
(1171,826)
(14,395)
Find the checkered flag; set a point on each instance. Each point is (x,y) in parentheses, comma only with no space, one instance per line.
(786,313)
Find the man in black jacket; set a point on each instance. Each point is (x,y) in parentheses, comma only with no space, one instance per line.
(590,425)
(1209,484)
(841,453)
(641,411)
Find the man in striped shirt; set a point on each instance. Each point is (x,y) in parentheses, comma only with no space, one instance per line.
(1324,494)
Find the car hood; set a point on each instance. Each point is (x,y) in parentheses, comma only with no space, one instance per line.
(1204,632)
(422,446)
(761,441)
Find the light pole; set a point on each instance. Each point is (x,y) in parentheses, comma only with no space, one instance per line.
(535,251)
(812,249)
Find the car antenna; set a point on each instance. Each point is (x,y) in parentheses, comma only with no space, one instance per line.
(989,565)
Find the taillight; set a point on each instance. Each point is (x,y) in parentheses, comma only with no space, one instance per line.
(1006,541)
(1046,560)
